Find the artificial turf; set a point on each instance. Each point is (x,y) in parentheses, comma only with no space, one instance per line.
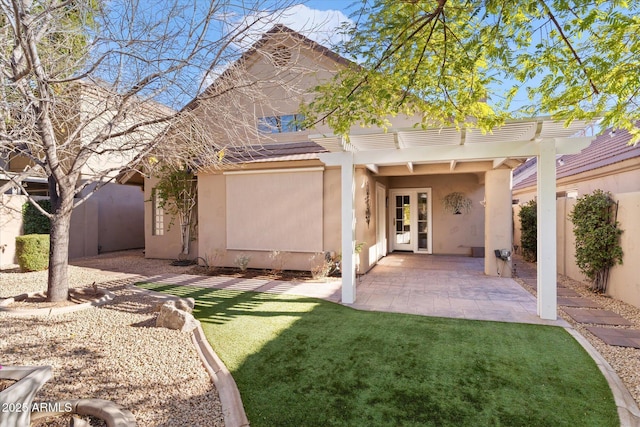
(300,361)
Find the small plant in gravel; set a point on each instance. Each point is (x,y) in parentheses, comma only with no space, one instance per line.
(597,237)
(242,261)
(529,227)
(32,251)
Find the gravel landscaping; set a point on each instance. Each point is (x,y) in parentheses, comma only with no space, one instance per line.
(112,352)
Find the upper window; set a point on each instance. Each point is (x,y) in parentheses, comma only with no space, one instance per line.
(281,124)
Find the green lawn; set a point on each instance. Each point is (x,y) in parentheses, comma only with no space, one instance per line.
(306,362)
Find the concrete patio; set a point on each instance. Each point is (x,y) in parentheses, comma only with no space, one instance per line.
(445,286)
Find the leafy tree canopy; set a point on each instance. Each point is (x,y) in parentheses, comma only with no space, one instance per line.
(574,59)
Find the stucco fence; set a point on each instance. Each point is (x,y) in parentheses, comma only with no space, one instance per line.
(111,220)
(624,280)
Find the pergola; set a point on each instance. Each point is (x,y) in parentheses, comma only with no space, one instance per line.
(449,149)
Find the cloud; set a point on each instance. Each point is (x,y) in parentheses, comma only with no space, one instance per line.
(321,26)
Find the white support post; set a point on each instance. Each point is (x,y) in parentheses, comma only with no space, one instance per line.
(348,229)
(547,264)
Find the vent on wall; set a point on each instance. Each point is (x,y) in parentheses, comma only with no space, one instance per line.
(281,56)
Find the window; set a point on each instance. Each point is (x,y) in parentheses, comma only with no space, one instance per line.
(157,215)
(281,124)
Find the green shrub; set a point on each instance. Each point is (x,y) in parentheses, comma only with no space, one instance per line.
(34,222)
(32,251)
(597,237)
(529,227)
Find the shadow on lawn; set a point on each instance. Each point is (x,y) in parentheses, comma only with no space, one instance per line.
(305,362)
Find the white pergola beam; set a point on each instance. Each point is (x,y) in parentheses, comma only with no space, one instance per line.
(410,166)
(373,168)
(446,153)
(452,165)
(547,267)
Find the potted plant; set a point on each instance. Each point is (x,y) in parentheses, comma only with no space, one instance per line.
(456,203)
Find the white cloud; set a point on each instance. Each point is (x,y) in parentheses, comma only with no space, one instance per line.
(321,26)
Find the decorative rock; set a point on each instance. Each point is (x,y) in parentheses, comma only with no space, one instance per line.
(173,318)
(185,304)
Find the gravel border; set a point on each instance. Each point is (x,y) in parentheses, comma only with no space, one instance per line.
(112,352)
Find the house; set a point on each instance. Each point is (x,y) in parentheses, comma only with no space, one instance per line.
(308,191)
(110,220)
(608,164)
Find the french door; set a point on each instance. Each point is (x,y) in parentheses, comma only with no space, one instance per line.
(410,215)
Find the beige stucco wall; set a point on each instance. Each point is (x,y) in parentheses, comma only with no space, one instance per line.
(498,221)
(365,233)
(452,234)
(10,227)
(168,245)
(120,217)
(624,280)
(213,229)
(83,232)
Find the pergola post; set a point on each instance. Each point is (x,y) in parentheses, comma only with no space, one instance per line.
(348,185)
(547,264)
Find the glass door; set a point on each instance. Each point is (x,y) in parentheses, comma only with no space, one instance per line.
(411,220)
(402,222)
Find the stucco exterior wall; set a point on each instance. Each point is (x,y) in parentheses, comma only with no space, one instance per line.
(10,227)
(624,280)
(213,240)
(498,223)
(83,232)
(167,245)
(120,217)
(365,232)
(452,234)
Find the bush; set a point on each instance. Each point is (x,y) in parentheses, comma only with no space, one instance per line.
(529,227)
(597,237)
(34,222)
(32,251)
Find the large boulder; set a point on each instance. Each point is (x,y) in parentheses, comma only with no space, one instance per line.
(172,317)
(186,304)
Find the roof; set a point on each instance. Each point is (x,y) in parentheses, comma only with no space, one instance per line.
(305,150)
(267,38)
(607,149)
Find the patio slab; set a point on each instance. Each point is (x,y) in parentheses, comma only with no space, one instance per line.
(599,317)
(445,286)
(566,292)
(617,337)
(578,302)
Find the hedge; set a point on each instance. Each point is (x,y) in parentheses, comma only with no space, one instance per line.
(34,222)
(32,251)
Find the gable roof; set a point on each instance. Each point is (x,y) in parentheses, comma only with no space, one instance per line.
(269,37)
(608,148)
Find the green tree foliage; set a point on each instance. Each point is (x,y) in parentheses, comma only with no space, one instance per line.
(597,237)
(442,59)
(178,194)
(34,221)
(529,228)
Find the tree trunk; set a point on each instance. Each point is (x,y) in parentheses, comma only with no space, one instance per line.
(58,283)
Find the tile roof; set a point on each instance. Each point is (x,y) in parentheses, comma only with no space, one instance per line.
(607,149)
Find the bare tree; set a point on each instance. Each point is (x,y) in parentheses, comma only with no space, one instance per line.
(91,88)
